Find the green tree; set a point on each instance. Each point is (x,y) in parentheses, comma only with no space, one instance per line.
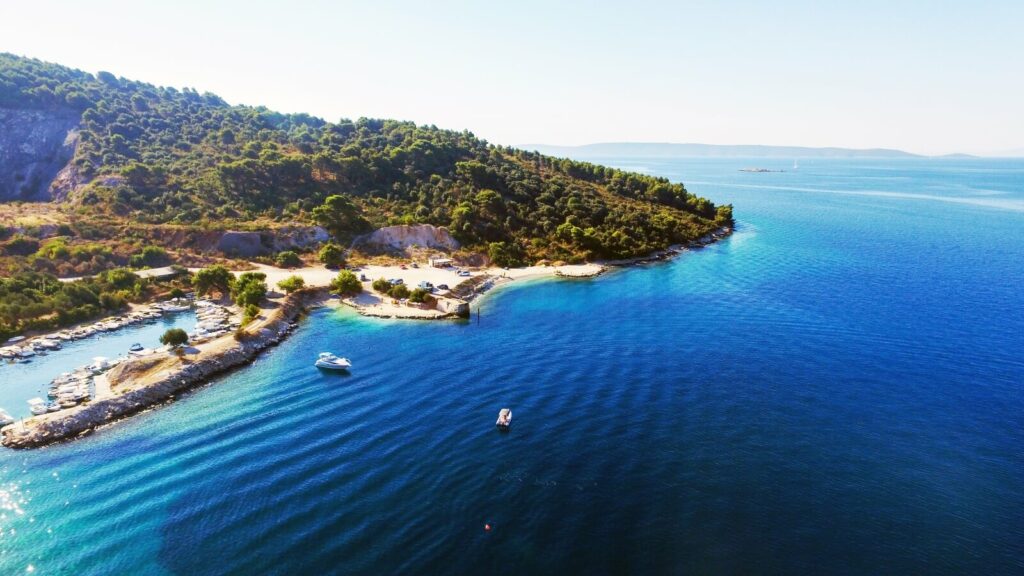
(340,216)
(332,255)
(288,259)
(249,288)
(505,254)
(214,277)
(174,337)
(399,291)
(291,284)
(346,284)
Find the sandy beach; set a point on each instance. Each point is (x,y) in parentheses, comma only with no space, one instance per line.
(372,303)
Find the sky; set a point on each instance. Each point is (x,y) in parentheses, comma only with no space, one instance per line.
(931,77)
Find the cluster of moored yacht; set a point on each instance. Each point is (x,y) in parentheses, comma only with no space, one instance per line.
(20,349)
(69,389)
(213,320)
(72,388)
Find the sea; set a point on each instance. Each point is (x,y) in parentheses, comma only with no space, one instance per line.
(837,388)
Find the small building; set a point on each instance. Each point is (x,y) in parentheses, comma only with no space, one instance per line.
(440,261)
(452,306)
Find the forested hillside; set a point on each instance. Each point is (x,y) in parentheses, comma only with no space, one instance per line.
(166,156)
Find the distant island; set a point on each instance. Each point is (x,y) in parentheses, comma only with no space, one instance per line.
(671,150)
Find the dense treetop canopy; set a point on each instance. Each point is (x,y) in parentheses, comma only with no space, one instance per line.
(166,156)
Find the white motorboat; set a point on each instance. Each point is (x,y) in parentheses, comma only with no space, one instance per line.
(5,418)
(504,418)
(329,361)
(37,406)
(99,364)
(135,347)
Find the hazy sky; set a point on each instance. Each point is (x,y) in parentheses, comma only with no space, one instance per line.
(925,76)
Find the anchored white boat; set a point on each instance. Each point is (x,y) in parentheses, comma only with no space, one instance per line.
(504,418)
(37,406)
(329,361)
(5,418)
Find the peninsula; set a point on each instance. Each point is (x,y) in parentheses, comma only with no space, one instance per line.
(115,193)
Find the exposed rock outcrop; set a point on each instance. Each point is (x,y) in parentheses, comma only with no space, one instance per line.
(249,244)
(406,236)
(243,244)
(35,146)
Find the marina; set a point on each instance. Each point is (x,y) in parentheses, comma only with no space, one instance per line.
(62,366)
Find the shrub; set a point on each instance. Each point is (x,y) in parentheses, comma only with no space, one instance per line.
(250,313)
(419,295)
(346,284)
(291,284)
(150,256)
(174,337)
(399,291)
(382,285)
(332,255)
(21,246)
(288,259)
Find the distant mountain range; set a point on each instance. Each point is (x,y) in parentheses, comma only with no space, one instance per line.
(669,150)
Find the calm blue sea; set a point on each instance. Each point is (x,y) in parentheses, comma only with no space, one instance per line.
(836,389)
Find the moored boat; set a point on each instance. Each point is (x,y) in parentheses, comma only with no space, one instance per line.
(37,406)
(504,418)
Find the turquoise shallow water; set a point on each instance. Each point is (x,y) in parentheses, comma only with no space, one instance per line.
(837,388)
(21,381)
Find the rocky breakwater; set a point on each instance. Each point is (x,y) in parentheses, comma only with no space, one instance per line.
(145,382)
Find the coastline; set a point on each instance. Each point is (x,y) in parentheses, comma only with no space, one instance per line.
(144,382)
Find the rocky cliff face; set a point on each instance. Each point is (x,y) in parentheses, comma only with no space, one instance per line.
(404,236)
(249,244)
(35,146)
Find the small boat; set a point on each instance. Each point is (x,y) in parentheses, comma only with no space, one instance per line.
(329,361)
(53,406)
(37,406)
(504,418)
(100,364)
(135,347)
(5,418)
